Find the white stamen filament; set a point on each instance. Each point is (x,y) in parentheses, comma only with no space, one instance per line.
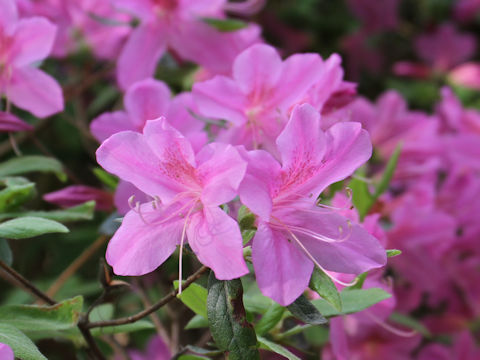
(389,327)
(180,260)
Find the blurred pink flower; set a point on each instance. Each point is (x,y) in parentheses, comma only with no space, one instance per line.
(376,15)
(156,350)
(463,348)
(6,352)
(466,10)
(10,123)
(79,194)
(24,42)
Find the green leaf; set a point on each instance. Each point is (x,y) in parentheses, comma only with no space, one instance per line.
(359,281)
(33,163)
(127,328)
(225,25)
(21,345)
(5,252)
(294,331)
(388,173)
(101,313)
(197,322)
(81,212)
(304,310)
(325,287)
(195,297)
(271,318)
(227,319)
(393,252)
(192,357)
(276,348)
(27,227)
(361,197)
(353,301)
(107,179)
(43,318)
(15,195)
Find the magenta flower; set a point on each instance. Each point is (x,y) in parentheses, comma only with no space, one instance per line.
(6,352)
(156,350)
(10,123)
(376,16)
(463,348)
(178,24)
(188,189)
(293,233)
(22,43)
(257,99)
(78,194)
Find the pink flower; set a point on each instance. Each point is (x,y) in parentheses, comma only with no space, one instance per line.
(10,123)
(454,117)
(178,24)
(464,348)
(156,350)
(257,99)
(466,10)
(293,233)
(79,194)
(6,353)
(188,189)
(147,100)
(376,16)
(23,43)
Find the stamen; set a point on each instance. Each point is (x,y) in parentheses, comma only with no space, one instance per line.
(310,256)
(180,260)
(389,327)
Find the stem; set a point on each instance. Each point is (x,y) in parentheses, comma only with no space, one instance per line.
(75,265)
(165,300)
(32,289)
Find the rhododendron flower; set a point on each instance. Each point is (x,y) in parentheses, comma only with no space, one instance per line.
(463,348)
(6,352)
(293,233)
(79,194)
(147,100)
(178,24)
(22,43)
(256,101)
(376,16)
(188,188)
(10,123)
(454,117)
(156,350)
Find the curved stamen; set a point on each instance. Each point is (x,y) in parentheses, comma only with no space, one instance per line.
(318,236)
(180,260)
(389,327)
(310,256)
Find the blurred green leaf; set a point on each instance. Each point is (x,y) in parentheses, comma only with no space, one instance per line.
(195,297)
(388,173)
(227,319)
(5,252)
(21,345)
(197,322)
(15,195)
(393,252)
(325,287)
(353,301)
(107,179)
(271,318)
(27,227)
(305,311)
(32,163)
(101,313)
(276,348)
(361,197)
(81,212)
(127,328)
(225,25)
(43,318)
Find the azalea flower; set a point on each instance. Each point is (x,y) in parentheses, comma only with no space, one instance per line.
(23,42)
(188,189)
(10,123)
(6,352)
(179,26)
(294,234)
(78,194)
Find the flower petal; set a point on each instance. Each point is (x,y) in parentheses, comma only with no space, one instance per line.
(147,100)
(124,192)
(34,39)
(33,90)
(140,55)
(143,242)
(8,15)
(282,270)
(10,122)
(216,240)
(6,352)
(107,124)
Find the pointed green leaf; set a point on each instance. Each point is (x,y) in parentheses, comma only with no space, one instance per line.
(393,252)
(126,328)
(388,173)
(225,25)
(276,348)
(227,319)
(43,318)
(305,311)
(21,345)
(15,195)
(5,252)
(195,297)
(34,163)
(271,318)
(27,227)
(197,322)
(325,287)
(361,197)
(80,212)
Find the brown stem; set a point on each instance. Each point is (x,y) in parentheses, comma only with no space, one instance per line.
(165,300)
(95,352)
(75,265)
(32,289)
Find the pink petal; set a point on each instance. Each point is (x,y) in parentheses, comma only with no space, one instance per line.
(256,188)
(146,100)
(34,39)
(282,270)
(124,192)
(107,124)
(180,114)
(140,55)
(257,69)
(143,9)
(302,143)
(33,90)
(143,242)
(467,75)
(221,98)
(216,240)
(6,352)
(78,194)
(128,156)
(9,122)
(221,169)
(339,339)
(354,250)
(8,15)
